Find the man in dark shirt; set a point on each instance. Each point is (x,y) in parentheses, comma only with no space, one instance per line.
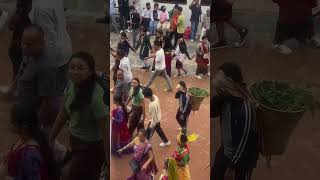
(239,137)
(36,79)
(195,18)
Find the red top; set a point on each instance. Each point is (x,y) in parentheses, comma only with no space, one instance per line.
(174,22)
(295,11)
(26,163)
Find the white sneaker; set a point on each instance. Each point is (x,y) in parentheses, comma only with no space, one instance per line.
(282,49)
(191,40)
(198,76)
(3,19)
(164,144)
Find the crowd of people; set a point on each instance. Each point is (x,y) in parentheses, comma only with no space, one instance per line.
(132,125)
(52,87)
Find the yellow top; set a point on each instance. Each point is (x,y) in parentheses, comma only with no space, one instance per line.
(181,24)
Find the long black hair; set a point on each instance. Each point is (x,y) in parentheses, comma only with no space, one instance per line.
(83,96)
(118,99)
(27,122)
(136,89)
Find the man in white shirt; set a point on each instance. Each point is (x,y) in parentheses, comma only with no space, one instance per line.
(155,114)
(49,15)
(160,66)
(125,66)
(146,16)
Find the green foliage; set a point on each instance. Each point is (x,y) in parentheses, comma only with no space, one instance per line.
(198,92)
(282,96)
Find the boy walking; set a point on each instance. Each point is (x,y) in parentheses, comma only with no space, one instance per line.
(155,114)
(160,66)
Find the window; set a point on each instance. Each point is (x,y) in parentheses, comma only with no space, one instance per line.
(205,2)
(172,1)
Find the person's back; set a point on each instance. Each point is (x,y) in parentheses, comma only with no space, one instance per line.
(135,20)
(155,110)
(160,60)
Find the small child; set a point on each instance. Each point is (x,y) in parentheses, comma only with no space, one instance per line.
(124,43)
(203,57)
(180,55)
(144,41)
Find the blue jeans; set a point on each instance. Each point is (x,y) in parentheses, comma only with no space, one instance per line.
(153,27)
(194,29)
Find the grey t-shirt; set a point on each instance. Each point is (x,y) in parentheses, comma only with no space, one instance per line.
(36,79)
(121,87)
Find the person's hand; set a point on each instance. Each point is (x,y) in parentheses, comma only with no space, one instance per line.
(144,167)
(120,151)
(112,91)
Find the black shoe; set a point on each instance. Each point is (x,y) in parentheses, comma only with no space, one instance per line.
(143,67)
(243,36)
(219,45)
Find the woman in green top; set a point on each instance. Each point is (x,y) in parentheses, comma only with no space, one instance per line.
(138,113)
(86,114)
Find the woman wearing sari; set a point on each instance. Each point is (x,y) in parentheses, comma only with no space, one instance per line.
(120,133)
(143,156)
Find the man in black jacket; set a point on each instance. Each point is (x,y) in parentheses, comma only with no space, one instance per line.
(239,138)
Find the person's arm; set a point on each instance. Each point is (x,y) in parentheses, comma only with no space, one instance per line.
(216,106)
(58,124)
(191,5)
(128,101)
(129,45)
(147,163)
(241,133)
(138,45)
(104,129)
(143,105)
(131,144)
(148,43)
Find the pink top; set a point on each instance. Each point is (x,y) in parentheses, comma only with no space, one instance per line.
(164,16)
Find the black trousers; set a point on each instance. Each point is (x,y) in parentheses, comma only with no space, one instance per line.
(183,121)
(300,31)
(159,130)
(220,166)
(124,17)
(178,36)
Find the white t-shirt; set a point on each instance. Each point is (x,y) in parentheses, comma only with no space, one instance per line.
(125,66)
(179,56)
(147,13)
(155,111)
(160,60)
(49,15)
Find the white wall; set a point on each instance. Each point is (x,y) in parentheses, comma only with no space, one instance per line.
(186,11)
